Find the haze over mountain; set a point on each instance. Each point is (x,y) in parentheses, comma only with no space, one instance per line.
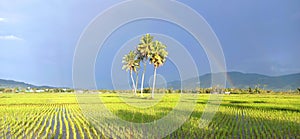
(235,80)
(245,80)
(16,84)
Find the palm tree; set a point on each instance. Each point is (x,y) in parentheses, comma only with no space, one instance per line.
(139,58)
(158,58)
(144,51)
(130,63)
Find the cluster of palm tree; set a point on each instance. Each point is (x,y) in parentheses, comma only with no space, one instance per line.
(147,49)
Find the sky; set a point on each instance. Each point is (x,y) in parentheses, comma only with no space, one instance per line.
(38,39)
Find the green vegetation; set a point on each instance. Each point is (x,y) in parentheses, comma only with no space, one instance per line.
(154,51)
(143,52)
(56,115)
(158,58)
(42,115)
(131,63)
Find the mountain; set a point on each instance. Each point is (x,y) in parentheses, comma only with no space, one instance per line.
(245,80)
(234,80)
(14,84)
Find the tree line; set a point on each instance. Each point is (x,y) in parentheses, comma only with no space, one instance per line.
(36,90)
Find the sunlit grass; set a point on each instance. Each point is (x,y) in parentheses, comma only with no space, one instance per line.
(57,115)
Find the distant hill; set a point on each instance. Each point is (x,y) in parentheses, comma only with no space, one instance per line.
(14,84)
(234,80)
(245,80)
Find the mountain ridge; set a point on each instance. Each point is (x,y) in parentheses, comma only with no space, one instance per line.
(4,83)
(237,79)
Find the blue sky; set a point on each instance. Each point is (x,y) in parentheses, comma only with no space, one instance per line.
(38,39)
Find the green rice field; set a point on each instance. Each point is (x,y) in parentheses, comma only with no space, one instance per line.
(59,115)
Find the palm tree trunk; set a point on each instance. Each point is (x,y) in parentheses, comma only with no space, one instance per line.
(154,79)
(133,82)
(143,77)
(136,80)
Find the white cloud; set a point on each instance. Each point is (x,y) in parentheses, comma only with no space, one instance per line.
(2,19)
(10,37)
